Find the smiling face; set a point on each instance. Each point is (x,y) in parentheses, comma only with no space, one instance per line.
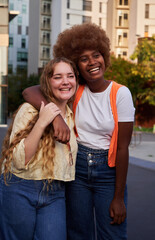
(63,82)
(91,66)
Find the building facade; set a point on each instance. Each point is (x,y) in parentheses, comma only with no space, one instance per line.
(5,17)
(18,36)
(50,17)
(128,20)
(142,21)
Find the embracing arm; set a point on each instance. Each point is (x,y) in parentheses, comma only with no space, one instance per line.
(117,207)
(61,130)
(34,96)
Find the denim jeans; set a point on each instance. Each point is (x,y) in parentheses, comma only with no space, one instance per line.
(88,198)
(31,211)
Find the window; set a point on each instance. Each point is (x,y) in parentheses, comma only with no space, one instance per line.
(125,35)
(124,53)
(27,30)
(146,30)
(125,16)
(68,3)
(19,29)
(68,18)
(123,2)
(10,68)
(100,7)
(86,19)
(126,2)
(23,8)
(146,10)
(119,40)
(46,52)
(19,20)
(100,22)
(11,6)
(46,22)
(87,5)
(47,8)
(120,21)
(23,43)
(22,56)
(10,41)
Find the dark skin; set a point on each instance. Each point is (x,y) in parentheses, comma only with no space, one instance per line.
(91,66)
(61,130)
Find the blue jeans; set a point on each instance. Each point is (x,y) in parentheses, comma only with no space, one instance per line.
(31,211)
(88,198)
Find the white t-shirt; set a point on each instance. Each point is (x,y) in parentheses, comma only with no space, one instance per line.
(94,118)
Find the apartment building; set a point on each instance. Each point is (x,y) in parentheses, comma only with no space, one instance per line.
(50,17)
(118,26)
(142,21)
(128,20)
(18,36)
(5,17)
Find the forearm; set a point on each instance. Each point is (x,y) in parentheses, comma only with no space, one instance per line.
(121,172)
(32,141)
(34,96)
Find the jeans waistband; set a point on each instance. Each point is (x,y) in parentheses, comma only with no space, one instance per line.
(85,149)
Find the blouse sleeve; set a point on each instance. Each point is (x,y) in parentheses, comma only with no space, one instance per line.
(125,107)
(23,116)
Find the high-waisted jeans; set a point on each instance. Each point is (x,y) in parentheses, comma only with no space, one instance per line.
(88,198)
(31,211)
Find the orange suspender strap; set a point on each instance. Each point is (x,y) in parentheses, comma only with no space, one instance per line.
(113,143)
(77,98)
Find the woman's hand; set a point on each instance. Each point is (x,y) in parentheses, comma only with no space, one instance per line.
(117,211)
(47,114)
(61,130)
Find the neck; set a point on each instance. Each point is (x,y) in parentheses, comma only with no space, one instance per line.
(100,86)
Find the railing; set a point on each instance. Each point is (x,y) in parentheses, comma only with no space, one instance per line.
(136,138)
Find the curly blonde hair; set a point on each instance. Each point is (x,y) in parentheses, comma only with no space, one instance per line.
(87,36)
(47,143)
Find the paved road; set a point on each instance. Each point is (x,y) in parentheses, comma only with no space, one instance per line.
(141,187)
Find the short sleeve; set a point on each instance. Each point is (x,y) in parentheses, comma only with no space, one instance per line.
(125,107)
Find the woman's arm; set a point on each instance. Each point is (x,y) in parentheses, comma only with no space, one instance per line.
(46,116)
(117,207)
(34,96)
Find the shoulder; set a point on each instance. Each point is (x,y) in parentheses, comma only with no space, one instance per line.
(25,113)
(27,107)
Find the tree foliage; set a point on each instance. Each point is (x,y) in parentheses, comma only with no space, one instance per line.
(16,84)
(144,70)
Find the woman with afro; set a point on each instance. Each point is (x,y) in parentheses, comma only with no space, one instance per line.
(104,115)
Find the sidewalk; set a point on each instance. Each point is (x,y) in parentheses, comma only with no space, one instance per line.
(143,154)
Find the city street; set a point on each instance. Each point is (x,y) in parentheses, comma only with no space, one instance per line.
(141,188)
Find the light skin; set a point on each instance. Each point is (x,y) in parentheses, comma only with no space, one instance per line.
(63,85)
(91,67)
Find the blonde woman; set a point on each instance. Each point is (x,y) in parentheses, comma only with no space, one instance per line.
(34,166)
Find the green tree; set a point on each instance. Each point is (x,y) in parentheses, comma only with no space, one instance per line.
(120,71)
(144,70)
(16,84)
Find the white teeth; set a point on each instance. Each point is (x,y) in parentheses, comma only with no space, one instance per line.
(94,69)
(66,89)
